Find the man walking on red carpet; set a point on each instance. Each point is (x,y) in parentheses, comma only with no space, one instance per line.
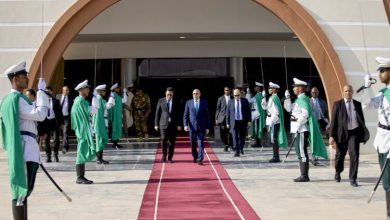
(166,121)
(196,120)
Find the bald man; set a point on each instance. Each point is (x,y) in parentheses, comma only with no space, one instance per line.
(347,131)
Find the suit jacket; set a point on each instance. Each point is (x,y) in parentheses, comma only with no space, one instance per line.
(245,112)
(196,120)
(339,125)
(162,114)
(57,111)
(220,113)
(323,106)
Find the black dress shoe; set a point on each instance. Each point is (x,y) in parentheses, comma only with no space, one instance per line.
(226,148)
(195,161)
(170,161)
(337,177)
(236,154)
(242,151)
(200,162)
(354,183)
(48,160)
(56,158)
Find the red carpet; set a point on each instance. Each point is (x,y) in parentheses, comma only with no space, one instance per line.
(186,190)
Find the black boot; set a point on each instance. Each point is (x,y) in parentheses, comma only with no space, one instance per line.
(304,173)
(388,204)
(275,158)
(80,170)
(115,144)
(19,212)
(56,157)
(99,156)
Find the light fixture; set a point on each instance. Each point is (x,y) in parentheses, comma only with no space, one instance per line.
(182,37)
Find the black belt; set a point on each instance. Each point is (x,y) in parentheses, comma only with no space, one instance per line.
(383,126)
(27,133)
(293,119)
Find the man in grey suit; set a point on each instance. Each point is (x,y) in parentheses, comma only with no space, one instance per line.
(220,118)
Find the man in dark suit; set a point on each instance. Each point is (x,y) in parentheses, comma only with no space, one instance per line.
(66,103)
(238,119)
(220,118)
(347,131)
(196,120)
(167,121)
(54,121)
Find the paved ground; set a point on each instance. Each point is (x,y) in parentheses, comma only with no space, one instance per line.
(119,186)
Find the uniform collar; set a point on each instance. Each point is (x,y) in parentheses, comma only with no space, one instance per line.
(14,90)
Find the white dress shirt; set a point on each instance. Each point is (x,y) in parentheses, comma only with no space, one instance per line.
(51,114)
(28,115)
(354,124)
(65,105)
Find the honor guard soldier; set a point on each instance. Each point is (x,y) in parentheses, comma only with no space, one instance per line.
(80,121)
(19,136)
(258,113)
(305,129)
(99,122)
(382,103)
(115,113)
(275,122)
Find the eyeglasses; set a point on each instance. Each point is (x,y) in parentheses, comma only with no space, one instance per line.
(195,93)
(236,95)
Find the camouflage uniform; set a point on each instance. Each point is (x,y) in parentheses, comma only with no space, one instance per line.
(141,107)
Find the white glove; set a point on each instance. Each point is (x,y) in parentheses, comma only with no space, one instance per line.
(248,90)
(95,102)
(287,94)
(263,93)
(124,90)
(95,92)
(112,94)
(301,121)
(367,80)
(41,84)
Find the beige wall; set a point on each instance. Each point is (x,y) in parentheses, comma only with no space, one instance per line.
(21,30)
(359,31)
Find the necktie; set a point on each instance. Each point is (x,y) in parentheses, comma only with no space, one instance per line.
(48,111)
(168,105)
(238,111)
(196,106)
(63,101)
(349,110)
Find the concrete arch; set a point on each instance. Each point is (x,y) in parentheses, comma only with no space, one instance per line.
(289,11)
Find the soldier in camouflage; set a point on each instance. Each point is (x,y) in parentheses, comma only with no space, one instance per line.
(142,109)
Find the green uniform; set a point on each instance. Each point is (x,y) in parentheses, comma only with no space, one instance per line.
(115,118)
(281,133)
(80,116)
(315,137)
(11,139)
(141,108)
(99,126)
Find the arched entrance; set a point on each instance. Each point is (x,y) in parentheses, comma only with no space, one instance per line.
(289,11)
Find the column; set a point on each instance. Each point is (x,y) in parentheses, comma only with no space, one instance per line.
(236,70)
(128,71)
